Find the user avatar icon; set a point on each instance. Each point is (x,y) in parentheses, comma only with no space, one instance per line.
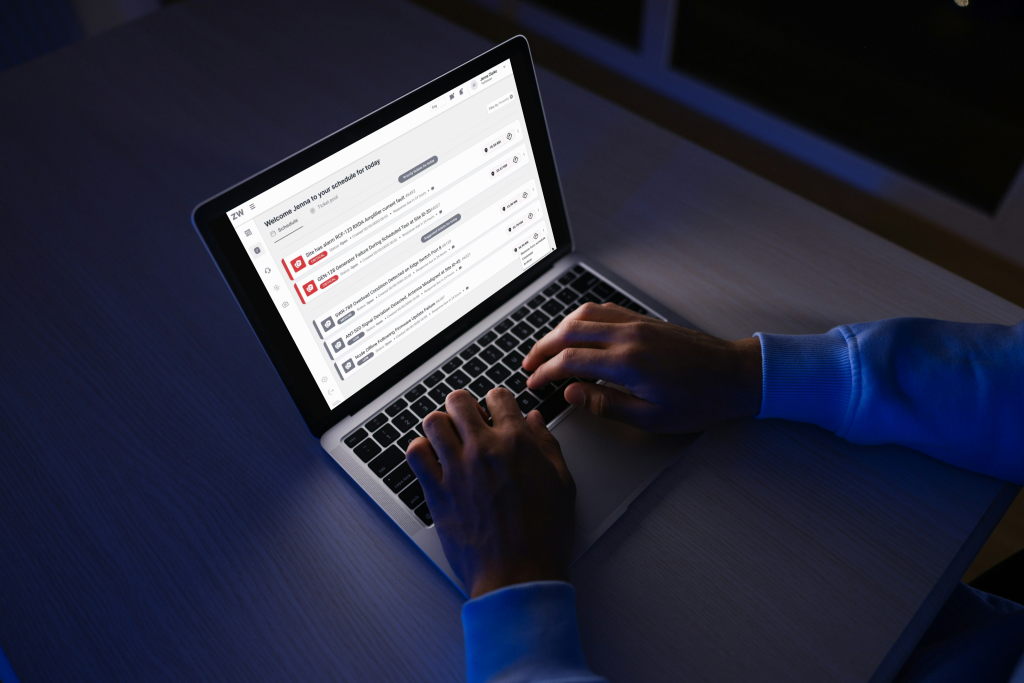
(337,345)
(348,365)
(298,263)
(310,287)
(327,323)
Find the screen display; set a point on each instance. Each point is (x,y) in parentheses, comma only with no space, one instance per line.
(374,250)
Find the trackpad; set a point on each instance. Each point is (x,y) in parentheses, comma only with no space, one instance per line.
(609,461)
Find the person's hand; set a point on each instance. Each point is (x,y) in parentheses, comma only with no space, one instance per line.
(680,380)
(501,496)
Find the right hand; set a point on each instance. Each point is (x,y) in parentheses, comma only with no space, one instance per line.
(679,380)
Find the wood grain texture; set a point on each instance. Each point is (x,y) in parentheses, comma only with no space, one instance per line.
(164,515)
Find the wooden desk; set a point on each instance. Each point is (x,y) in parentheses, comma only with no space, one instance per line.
(164,515)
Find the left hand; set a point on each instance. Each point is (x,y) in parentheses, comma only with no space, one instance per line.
(501,497)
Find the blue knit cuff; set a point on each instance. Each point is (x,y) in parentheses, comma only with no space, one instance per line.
(523,632)
(806,378)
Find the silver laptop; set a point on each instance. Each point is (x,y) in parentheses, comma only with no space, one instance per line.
(422,249)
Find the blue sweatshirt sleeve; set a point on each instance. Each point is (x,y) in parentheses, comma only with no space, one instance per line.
(954,391)
(526,632)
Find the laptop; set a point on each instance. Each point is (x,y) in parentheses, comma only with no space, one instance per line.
(422,249)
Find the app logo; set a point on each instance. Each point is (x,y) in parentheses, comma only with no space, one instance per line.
(309,287)
(298,264)
(337,345)
(327,323)
(348,365)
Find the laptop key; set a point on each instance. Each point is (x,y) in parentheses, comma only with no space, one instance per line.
(457,380)
(521,313)
(491,355)
(404,420)
(553,406)
(537,319)
(405,440)
(434,378)
(567,278)
(415,393)
(516,383)
(526,347)
(486,338)
(578,268)
(522,330)
(617,298)
(551,290)
(544,391)
(535,301)
(420,430)
(367,450)
(386,435)
(584,282)
(498,373)
(567,297)
(439,393)
(377,422)
(552,307)
(474,367)
(387,461)
(422,407)
(507,342)
(513,360)
(480,387)
(451,365)
(400,478)
(527,402)
(503,325)
(396,407)
(424,514)
(603,290)
(355,437)
(469,352)
(412,496)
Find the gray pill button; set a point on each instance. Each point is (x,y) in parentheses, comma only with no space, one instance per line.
(346,317)
(356,338)
(418,168)
(434,232)
(366,358)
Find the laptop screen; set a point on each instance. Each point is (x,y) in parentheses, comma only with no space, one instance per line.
(379,247)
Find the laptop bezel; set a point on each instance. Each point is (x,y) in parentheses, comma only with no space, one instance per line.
(211,221)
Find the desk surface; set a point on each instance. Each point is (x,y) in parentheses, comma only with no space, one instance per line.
(164,515)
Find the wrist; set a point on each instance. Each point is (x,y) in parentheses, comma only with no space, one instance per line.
(749,377)
(496,579)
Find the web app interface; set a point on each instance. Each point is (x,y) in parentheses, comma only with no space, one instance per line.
(376,249)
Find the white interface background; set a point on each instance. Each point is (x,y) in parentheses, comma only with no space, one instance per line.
(376,249)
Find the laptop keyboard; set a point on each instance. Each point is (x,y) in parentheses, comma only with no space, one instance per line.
(493,360)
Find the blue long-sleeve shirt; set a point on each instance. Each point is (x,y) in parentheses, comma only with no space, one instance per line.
(953,391)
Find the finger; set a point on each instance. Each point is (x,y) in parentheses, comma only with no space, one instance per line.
(609,313)
(572,332)
(443,438)
(423,461)
(549,444)
(575,362)
(503,407)
(465,413)
(610,403)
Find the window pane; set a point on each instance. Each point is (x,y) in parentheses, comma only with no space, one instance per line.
(615,19)
(924,86)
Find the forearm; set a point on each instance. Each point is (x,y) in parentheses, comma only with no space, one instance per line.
(526,632)
(954,391)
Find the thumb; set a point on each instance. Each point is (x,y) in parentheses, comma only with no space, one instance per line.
(605,401)
(549,445)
